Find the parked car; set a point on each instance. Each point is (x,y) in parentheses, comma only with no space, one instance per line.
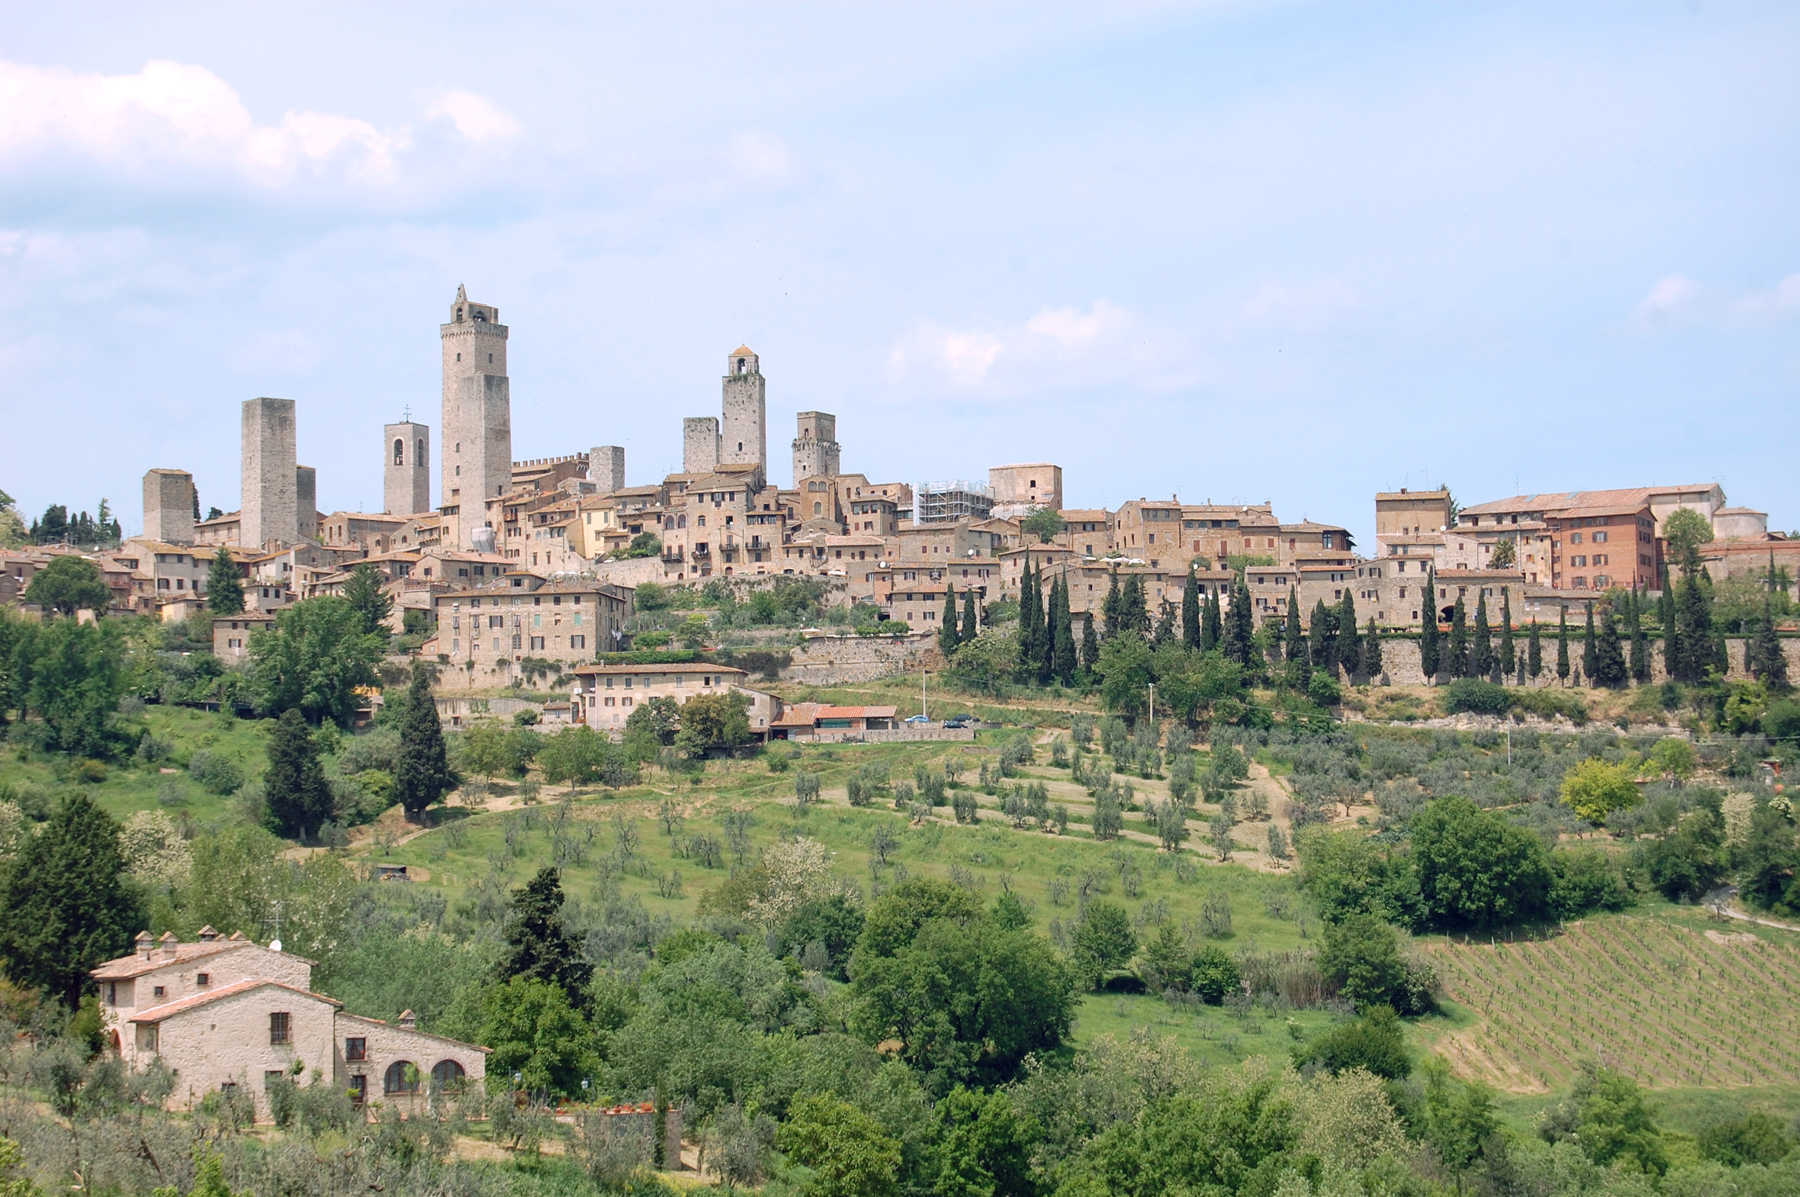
(960,721)
(917,720)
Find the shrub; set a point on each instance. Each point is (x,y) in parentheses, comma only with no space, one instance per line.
(1214,975)
(216,774)
(1373,1042)
(1583,880)
(1476,697)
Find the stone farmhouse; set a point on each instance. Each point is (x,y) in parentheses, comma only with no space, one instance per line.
(226,1014)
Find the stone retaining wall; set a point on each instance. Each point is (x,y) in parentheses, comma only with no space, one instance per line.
(1400,657)
(833,660)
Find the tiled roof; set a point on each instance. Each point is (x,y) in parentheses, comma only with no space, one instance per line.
(1570,500)
(196,1000)
(677,667)
(126,967)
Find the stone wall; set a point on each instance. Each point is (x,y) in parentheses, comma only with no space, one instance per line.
(832,660)
(1400,657)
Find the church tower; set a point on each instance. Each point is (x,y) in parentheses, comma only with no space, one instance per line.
(476,445)
(406,468)
(742,439)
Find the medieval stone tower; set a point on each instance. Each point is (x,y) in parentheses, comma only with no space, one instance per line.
(406,468)
(699,444)
(742,439)
(476,445)
(815,445)
(169,506)
(269,475)
(606,468)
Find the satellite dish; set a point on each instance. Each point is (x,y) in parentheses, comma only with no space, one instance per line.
(274,945)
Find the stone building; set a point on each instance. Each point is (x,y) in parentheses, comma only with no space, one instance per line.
(606,695)
(1019,489)
(699,444)
(270,510)
(1409,513)
(743,436)
(231,635)
(406,468)
(169,506)
(606,468)
(226,1014)
(488,632)
(815,446)
(476,446)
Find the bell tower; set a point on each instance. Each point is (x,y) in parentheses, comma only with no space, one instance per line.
(475,448)
(743,432)
(406,468)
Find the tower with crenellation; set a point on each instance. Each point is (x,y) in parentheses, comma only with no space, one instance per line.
(475,447)
(815,445)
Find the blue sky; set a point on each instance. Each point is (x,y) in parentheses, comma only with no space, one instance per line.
(1239,251)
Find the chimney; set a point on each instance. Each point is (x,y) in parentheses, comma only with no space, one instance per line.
(207,934)
(407,1021)
(143,943)
(167,944)
(237,937)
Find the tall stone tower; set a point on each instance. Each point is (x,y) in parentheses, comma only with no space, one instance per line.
(269,475)
(606,468)
(306,502)
(406,468)
(699,444)
(169,506)
(742,439)
(476,447)
(815,445)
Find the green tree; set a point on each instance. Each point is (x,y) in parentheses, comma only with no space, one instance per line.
(1671,630)
(1211,622)
(1190,610)
(1509,657)
(1640,641)
(948,636)
(651,727)
(224,584)
(1110,621)
(576,755)
(1295,646)
(1065,661)
(1504,556)
(538,946)
(1374,1041)
(1595,789)
(989,661)
(73,676)
(1693,617)
(314,660)
(1102,942)
(713,721)
(1684,531)
(68,905)
(1371,651)
(1239,637)
(1457,664)
(299,799)
(1349,647)
(1459,1118)
(1321,638)
(1428,628)
(1090,645)
(422,775)
(1476,870)
(1125,673)
(367,597)
(847,1150)
(1608,1117)
(1562,645)
(537,1034)
(1590,649)
(1481,660)
(1609,656)
(1361,959)
(969,626)
(1768,661)
(1534,652)
(981,1147)
(69,584)
(1673,759)
(1042,522)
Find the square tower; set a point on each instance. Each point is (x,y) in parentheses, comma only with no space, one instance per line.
(269,475)
(476,448)
(699,444)
(306,502)
(606,468)
(169,506)
(406,468)
(742,437)
(815,446)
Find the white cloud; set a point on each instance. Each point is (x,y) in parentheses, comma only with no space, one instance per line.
(476,117)
(1672,295)
(1783,297)
(759,155)
(1057,348)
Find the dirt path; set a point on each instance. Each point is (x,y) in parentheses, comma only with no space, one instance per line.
(1732,912)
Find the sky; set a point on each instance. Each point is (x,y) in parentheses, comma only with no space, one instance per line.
(1234,251)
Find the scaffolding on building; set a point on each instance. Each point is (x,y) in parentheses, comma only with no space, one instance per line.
(947,502)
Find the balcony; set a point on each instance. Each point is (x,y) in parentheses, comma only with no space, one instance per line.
(672,556)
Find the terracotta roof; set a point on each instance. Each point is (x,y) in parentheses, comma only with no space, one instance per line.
(1388,495)
(1568,500)
(676,667)
(1510,575)
(1601,509)
(743,350)
(196,1000)
(126,967)
(827,712)
(1085,514)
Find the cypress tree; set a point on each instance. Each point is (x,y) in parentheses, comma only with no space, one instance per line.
(294,785)
(1665,612)
(224,585)
(970,629)
(1509,657)
(1640,643)
(1534,652)
(1609,659)
(1428,629)
(1458,664)
(1109,611)
(1293,642)
(1090,645)
(1066,659)
(422,773)
(1562,645)
(1590,648)
(538,945)
(1481,662)
(1371,651)
(948,636)
(1190,611)
(1693,616)
(1026,606)
(1046,646)
(1319,641)
(1134,614)
(1165,625)
(1349,651)
(1212,621)
(1240,635)
(1771,663)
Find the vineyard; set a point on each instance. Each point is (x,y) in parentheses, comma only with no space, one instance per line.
(1666,1004)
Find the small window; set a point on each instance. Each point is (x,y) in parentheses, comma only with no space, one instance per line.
(203,979)
(356,1049)
(278,1027)
(359,1089)
(157,991)
(272,1077)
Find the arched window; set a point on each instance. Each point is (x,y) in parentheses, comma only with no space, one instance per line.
(446,1076)
(740,368)
(402,1077)
(399,451)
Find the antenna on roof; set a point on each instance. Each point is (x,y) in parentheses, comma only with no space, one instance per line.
(406,414)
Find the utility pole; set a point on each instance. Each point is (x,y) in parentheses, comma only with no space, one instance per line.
(1153,702)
